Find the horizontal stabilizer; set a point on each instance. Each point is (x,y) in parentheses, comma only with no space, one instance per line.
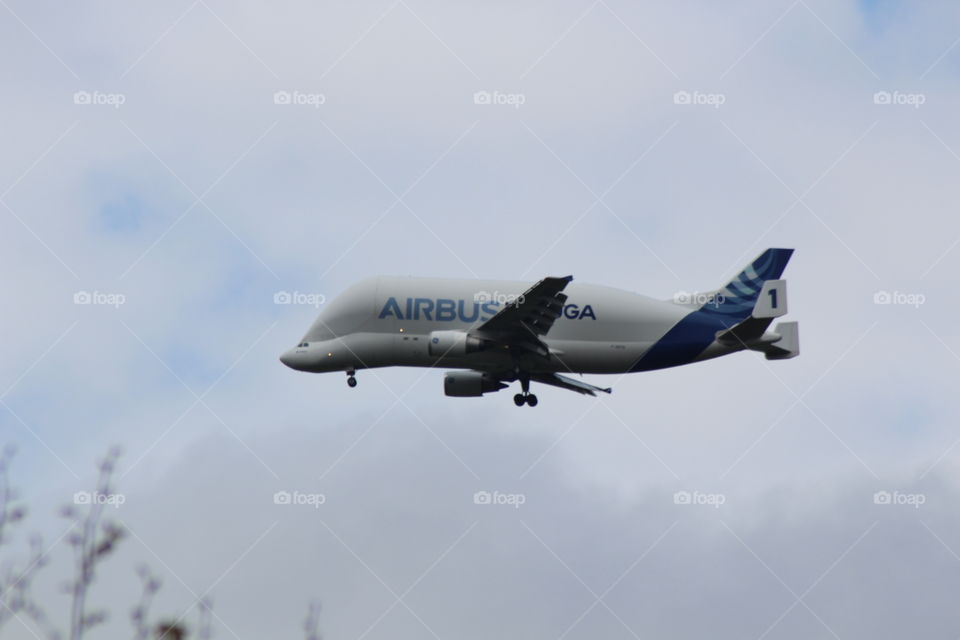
(748,334)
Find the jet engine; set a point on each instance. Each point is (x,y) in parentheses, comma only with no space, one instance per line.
(465,384)
(452,343)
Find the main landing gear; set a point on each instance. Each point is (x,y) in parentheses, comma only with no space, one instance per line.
(526,397)
(521,399)
(351,380)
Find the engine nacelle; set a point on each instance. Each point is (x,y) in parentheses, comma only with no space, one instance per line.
(452,343)
(466,384)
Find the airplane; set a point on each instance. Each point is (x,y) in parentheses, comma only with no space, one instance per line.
(493,333)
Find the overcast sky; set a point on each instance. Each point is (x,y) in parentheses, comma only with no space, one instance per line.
(177,165)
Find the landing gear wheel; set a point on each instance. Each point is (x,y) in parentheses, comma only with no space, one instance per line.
(351,381)
(532,400)
(519,399)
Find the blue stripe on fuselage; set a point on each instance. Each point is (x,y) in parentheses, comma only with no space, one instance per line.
(685,340)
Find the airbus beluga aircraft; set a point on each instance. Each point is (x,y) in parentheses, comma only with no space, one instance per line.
(493,333)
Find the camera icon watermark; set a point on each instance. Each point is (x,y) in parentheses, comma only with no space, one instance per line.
(515,500)
(96,498)
(699,98)
(915,100)
(497,297)
(114,100)
(699,299)
(299,98)
(102,298)
(299,498)
(515,100)
(899,298)
(915,500)
(715,500)
(299,297)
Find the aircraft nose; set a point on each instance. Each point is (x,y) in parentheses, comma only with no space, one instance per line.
(289,358)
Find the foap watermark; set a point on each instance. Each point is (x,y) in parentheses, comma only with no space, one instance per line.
(114,100)
(698,298)
(299,297)
(900,298)
(915,100)
(299,498)
(514,500)
(701,98)
(897,498)
(496,296)
(99,298)
(714,500)
(90,498)
(299,98)
(515,100)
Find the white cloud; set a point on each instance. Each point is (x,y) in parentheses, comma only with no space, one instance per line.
(292,208)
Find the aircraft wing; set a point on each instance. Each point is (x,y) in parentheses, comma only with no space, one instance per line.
(557,380)
(523,321)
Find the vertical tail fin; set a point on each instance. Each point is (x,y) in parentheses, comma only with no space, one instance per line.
(738,298)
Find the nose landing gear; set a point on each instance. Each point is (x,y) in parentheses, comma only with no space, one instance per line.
(351,380)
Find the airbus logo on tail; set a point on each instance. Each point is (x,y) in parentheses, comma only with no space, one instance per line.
(447,309)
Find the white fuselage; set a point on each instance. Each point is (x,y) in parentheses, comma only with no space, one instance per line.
(387,321)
